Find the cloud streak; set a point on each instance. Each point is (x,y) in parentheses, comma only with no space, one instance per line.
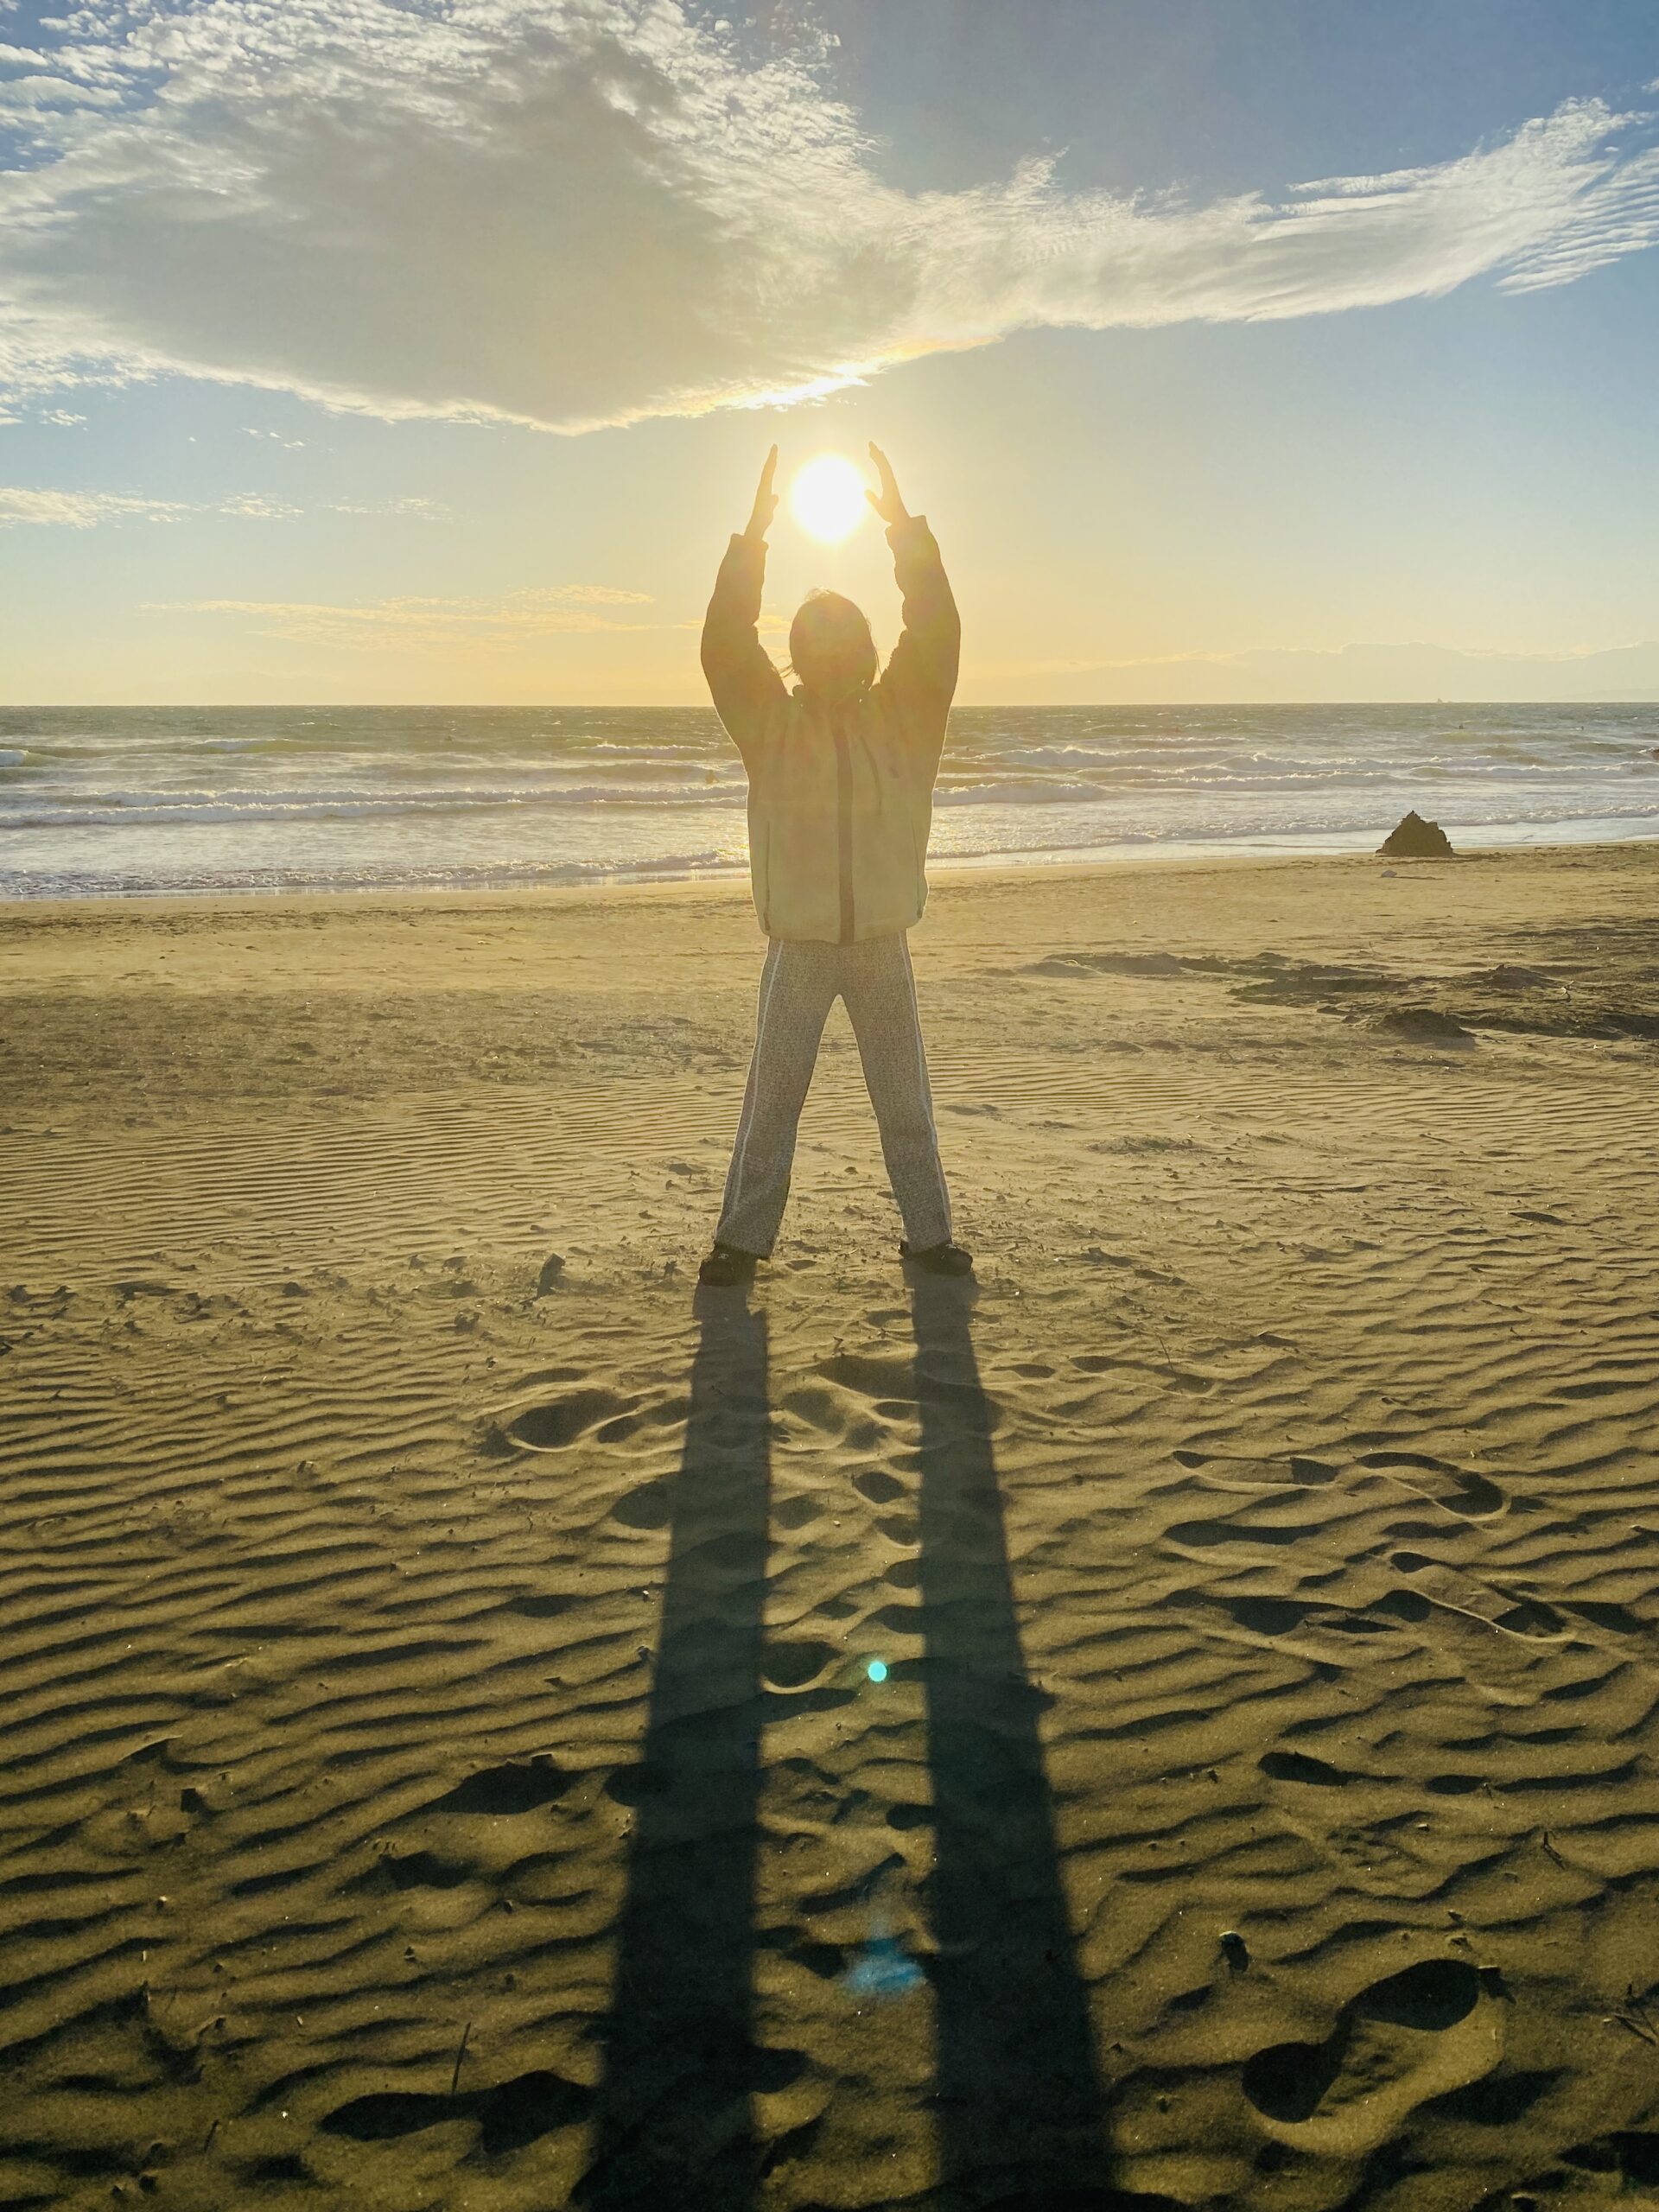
(83,510)
(576,213)
(438,626)
(86,510)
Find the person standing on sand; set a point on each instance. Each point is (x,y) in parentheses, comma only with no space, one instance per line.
(841,796)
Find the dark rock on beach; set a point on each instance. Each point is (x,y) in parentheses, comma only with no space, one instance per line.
(1423,1024)
(1413,839)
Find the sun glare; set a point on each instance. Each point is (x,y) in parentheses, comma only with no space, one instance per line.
(827,499)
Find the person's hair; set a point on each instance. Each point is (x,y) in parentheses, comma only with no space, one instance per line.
(831,648)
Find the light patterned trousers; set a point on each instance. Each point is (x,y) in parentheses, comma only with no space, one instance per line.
(800,983)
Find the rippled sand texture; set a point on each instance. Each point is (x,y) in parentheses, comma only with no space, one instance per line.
(448,1760)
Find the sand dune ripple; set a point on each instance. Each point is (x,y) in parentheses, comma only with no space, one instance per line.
(1175,1728)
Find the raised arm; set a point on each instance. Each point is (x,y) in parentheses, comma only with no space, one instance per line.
(920,678)
(744,683)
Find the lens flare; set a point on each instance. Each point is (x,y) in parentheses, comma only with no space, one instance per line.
(877,1670)
(827,499)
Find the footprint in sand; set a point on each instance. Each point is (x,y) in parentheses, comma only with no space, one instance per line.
(1236,1473)
(819,1408)
(560,1421)
(1315,1774)
(539,1605)
(1436,1582)
(1422,2033)
(793,1663)
(415,1870)
(876,1487)
(1267,1616)
(896,1389)
(508,2116)
(900,1528)
(514,1788)
(1620,2163)
(797,1512)
(1206,1535)
(1473,1497)
(873,1375)
(651,1506)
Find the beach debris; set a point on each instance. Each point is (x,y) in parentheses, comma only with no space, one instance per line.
(1235,1950)
(552,1268)
(1413,839)
(1636,2017)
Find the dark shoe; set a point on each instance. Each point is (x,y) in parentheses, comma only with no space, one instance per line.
(946,1259)
(726,1266)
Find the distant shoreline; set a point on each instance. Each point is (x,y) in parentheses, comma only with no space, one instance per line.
(696,706)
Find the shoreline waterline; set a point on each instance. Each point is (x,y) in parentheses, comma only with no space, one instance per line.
(733,883)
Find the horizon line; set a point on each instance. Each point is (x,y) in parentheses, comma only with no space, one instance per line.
(662,706)
(670,706)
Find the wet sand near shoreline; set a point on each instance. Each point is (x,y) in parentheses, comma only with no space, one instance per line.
(1175,1720)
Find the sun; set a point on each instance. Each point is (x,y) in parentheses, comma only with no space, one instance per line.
(827,499)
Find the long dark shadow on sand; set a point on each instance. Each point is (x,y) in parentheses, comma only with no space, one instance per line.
(673,2124)
(1017,2092)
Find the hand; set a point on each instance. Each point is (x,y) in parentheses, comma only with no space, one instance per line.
(765,500)
(887,503)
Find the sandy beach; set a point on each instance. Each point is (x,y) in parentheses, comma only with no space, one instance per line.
(488,1727)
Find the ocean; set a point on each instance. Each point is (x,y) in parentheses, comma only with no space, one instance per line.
(102,801)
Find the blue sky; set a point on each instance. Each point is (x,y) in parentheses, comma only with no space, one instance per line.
(379,360)
(1224,94)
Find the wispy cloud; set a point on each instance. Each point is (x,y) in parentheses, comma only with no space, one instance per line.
(259,506)
(419,625)
(580,211)
(425,510)
(85,509)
